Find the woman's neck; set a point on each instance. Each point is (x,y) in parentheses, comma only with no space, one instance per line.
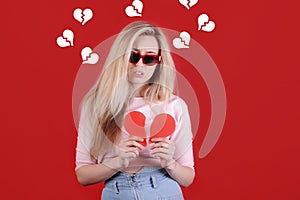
(136,90)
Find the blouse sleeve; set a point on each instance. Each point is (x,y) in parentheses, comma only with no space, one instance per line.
(84,139)
(183,137)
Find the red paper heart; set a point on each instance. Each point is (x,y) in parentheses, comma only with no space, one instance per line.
(134,124)
(163,125)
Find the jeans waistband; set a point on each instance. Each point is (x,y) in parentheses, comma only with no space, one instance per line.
(143,178)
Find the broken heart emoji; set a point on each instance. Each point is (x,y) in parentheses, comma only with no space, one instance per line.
(163,125)
(205,24)
(183,41)
(66,39)
(83,16)
(135,10)
(88,57)
(188,3)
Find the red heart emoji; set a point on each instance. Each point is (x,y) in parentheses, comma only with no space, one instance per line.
(163,125)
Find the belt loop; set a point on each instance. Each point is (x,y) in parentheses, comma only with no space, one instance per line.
(116,187)
(153,181)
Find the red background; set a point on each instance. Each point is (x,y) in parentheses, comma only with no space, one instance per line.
(255,46)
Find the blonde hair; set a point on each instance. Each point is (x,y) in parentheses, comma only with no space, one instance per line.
(106,101)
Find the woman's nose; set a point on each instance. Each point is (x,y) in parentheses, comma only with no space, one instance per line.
(140,62)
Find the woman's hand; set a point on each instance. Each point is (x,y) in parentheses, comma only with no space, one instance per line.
(163,149)
(126,149)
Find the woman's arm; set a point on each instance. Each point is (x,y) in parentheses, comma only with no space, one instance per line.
(95,173)
(182,174)
(164,150)
(126,149)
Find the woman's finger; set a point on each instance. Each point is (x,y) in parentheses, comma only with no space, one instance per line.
(131,149)
(135,138)
(166,140)
(132,143)
(161,156)
(162,150)
(160,145)
(129,155)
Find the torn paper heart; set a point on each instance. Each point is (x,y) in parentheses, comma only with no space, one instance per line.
(205,24)
(134,123)
(163,125)
(188,3)
(83,16)
(135,10)
(66,39)
(183,41)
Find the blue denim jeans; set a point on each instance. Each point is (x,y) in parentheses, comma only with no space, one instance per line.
(150,183)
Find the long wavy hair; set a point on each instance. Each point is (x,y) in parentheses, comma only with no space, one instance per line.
(106,101)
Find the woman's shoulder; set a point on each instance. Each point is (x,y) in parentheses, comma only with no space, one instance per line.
(175,97)
(175,105)
(176,100)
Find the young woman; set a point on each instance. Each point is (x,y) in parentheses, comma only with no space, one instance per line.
(137,80)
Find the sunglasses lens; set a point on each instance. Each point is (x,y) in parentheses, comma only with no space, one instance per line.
(147,59)
(134,57)
(150,60)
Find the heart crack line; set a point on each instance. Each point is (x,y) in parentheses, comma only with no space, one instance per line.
(205,23)
(66,39)
(136,10)
(183,41)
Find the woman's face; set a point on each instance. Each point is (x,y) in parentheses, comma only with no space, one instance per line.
(139,73)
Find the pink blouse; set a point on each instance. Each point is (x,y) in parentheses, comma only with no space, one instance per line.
(182,135)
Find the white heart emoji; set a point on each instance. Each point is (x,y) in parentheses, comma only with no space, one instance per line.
(66,39)
(177,43)
(188,3)
(138,5)
(202,19)
(205,24)
(185,36)
(92,59)
(135,10)
(77,14)
(210,26)
(83,16)
(183,41)
(62,42)
(131,12)
(88,57)
(85,53)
